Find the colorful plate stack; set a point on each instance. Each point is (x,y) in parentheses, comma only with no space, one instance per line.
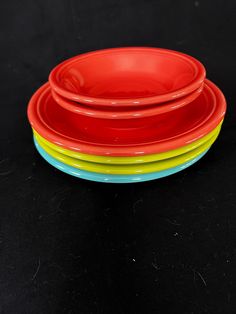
(126,114)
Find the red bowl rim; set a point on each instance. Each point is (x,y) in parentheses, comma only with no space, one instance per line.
(76,145)
(200,74)
(133,113)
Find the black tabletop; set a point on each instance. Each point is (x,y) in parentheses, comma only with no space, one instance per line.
(72,246)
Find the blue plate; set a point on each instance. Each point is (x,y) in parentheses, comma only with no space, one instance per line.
(112,178)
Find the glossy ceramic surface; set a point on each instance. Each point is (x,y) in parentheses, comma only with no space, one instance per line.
(125,114)
(109,178)
(129,169)
(107,137)
(129,160)
(127,76)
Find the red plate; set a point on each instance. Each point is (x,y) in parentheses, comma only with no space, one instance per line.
(133,76)
(123,113)
(138,137)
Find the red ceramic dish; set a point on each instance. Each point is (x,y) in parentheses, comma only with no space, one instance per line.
(133,76)
(125,113)
(107,137)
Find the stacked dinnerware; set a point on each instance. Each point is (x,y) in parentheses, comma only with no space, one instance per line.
(126,114)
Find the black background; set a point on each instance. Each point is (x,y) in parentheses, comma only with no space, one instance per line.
(73,246)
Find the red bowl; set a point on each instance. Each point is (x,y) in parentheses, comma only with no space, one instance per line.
(109,137)
(133,76)
(125,113)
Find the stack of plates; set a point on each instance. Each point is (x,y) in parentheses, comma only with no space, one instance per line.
(126,114)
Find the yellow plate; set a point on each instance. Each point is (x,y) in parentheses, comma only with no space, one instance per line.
(129,169)
(129,160)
